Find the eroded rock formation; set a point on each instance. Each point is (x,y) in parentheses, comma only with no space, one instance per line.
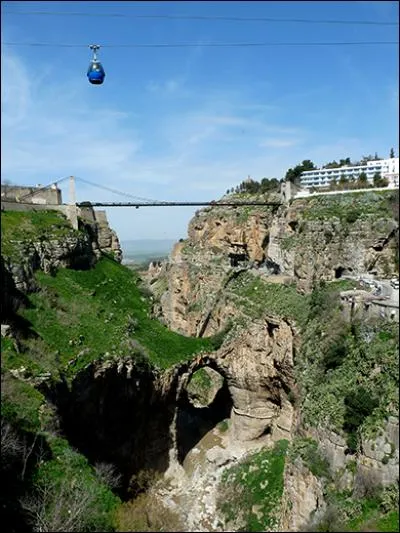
(74,249)
(293,241)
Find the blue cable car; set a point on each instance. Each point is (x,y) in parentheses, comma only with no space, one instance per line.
(95,71)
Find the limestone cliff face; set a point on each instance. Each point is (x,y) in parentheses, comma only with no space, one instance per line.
(306,242)
(189,285)
(325,249)
(222,230)
(71,251)
(378,460)
(303,497)
(118,412)
(104,239)
(258,367)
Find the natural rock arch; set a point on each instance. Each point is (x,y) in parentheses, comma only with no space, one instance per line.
(257,367)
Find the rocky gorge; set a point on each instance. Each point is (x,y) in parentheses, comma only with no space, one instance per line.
(306,242)
(260,393)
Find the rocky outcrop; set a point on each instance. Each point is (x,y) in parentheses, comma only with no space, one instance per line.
(379,458)
(377,462)
(11,298)
(312,250)
(107,239)
(104,239)
(258,368)
(303,241)
(220,231)
(73,249)
(200,268)
(118,412)
(303,498)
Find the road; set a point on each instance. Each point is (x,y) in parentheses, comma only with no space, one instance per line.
(386,292)
(390,294)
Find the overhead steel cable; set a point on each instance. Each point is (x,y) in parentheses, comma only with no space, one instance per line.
(204,17)
(117,191)
(45,187)
(190,45)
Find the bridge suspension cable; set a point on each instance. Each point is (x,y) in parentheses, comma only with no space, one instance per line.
(116,191)
(40,189)
(145,202)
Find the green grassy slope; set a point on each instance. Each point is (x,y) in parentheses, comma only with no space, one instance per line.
(349,207)
(96,311)
(19,227)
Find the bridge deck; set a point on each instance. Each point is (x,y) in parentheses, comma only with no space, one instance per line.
(173,204)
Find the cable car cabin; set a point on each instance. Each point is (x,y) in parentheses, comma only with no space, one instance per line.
(96,73)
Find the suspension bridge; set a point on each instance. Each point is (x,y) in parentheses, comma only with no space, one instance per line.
(29,198)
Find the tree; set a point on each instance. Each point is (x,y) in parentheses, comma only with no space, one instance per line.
(293,174)
(251,186)
(377,179)
(366,158)
(268,185)
(391,155)
(332,164)
(59,507)
(307,164)
(362,178)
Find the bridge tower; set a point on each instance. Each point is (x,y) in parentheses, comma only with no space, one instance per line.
(72,209)
(72,196)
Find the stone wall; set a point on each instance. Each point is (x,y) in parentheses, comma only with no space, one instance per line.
(32,195)
(15,206)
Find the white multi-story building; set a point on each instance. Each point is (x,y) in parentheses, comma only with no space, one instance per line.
(322,177)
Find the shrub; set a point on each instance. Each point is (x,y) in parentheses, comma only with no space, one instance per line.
(142,481)
(335,353)
(108,474)
(307,449)
(256,483)
(67,495)
(359,404)
(351,217)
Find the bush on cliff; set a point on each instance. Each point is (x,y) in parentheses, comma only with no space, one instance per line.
(251,492)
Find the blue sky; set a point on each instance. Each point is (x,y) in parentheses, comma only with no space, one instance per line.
(186,124)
